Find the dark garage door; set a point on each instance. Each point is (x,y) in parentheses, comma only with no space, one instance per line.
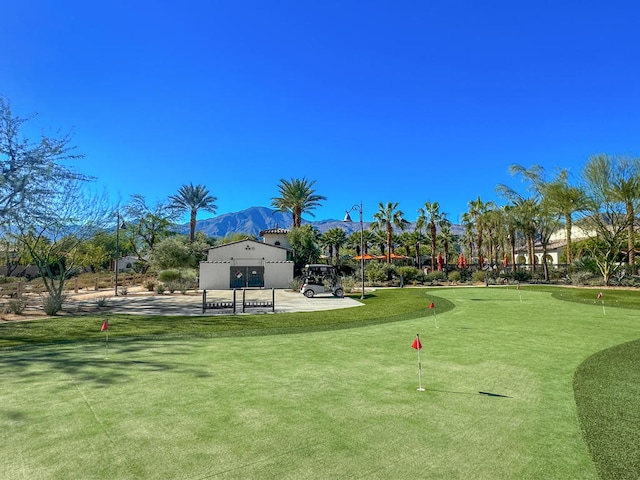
(243,277)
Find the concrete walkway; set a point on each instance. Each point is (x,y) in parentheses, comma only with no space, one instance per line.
(139,302)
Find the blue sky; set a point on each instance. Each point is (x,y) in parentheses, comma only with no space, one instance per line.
(374,101)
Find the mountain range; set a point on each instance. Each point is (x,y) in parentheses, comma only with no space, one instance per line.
(255,219)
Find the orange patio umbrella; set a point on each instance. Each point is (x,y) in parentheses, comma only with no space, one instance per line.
(366,256)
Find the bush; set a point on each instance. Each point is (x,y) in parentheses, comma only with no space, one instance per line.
(580,277)
(124,291)
(101,301)
(479,276)
(296,284)
(521,276)
(150,285)
(169,275)
(17,305)
(172,285)
(408,273)
(348,283)
(436,276)
(378,272)
(454,276)
(160,288)
(52,304)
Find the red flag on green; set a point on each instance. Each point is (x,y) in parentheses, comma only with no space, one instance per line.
(416,344)
(105,326)
(600,295)
(431,305)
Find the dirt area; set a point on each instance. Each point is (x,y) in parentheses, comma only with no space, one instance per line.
(81,303)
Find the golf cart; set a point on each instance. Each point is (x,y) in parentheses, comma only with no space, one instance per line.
(319,278)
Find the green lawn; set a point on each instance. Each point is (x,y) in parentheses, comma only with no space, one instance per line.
(305,396)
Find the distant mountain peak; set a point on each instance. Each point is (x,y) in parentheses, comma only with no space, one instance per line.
(253,220)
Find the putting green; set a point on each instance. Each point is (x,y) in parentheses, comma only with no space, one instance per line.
(322,404)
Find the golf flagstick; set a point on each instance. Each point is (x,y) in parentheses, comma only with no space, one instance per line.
(519,292)
(105,327)
(418,346)
(435,317)
(601,297)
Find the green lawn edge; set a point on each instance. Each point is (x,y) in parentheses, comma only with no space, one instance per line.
(383,306)
(607,388)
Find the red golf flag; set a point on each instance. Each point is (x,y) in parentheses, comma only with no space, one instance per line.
(431,305)
(600,295)
(416,344)
(105,326)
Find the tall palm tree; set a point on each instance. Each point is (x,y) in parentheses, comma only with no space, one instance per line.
(191,198)
(565,200)
(447,238)
(386,218)
(297,196)
(333,239)
(431,215)
(477,210)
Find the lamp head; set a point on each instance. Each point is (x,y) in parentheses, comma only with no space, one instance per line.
(347,218)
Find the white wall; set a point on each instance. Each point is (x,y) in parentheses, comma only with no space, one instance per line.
(215,275)
(215,272)
(246,252)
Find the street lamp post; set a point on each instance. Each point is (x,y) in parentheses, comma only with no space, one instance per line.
(347,218)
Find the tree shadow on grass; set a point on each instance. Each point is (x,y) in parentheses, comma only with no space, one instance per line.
(94,363)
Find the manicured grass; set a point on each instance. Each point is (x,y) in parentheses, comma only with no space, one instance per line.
(607,387)
(301,396)
(381,307)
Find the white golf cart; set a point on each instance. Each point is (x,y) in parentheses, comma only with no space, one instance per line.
(320,278)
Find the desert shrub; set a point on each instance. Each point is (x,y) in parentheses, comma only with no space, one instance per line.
(52,304)
(521,276)
(172,285)
(17,305)
(378,272)
(408,273)
(296,284)
(436,276)
(150,285)
(101,301)
(169,275)
(579,277)
(479,276)
(124,291)
(160,288)
(348,283)
(454,276)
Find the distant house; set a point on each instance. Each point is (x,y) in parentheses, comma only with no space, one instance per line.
(247,264)
(555,248)
(125,264)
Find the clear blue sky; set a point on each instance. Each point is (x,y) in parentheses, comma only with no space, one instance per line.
(375,101)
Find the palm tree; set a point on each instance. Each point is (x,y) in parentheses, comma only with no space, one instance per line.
(447,238)
(477,210)
(565,200)
(333,239)
(387,217)
(193,198)
(431,215)
(296,196)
